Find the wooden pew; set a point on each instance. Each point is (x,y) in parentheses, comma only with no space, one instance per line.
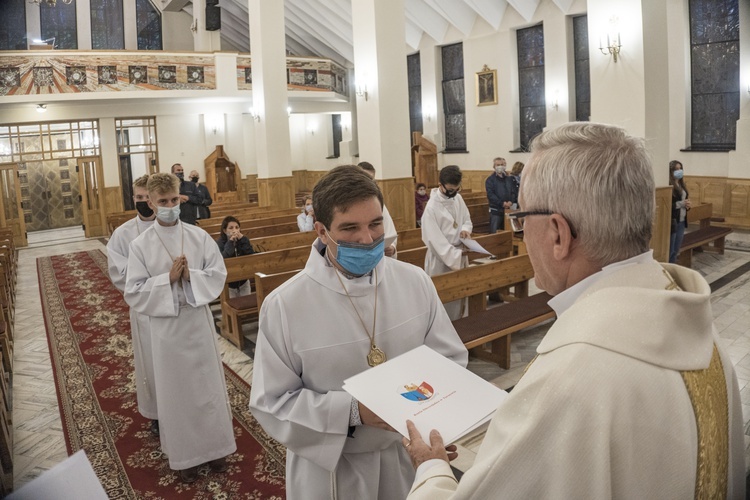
(493,326)
(706,238)
(245,267)
(282,241)
(264,231)
(252,223)
(409,238)
(267,283)
(499,244)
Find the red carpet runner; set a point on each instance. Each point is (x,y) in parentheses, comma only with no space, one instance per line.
(88,331)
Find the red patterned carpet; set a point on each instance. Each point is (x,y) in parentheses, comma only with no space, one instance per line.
(88,331)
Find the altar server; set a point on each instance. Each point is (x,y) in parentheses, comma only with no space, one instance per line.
(174,271)
(631,394)
(117,260)
(445,221)
(348,310)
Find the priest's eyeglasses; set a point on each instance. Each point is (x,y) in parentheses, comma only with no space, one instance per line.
(517,220)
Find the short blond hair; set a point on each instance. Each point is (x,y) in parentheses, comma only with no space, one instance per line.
(163,183)
(141,182)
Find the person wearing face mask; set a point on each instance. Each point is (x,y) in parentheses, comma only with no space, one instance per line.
(203,212)
(174,271)
(232,243)
(502,193)
(347,310)
(420,201)
(117,261)
(391,235)
(190,198)
(680,206)
(306,219)
(445,222)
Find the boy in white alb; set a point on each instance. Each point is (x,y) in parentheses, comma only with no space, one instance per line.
(174,271)
(117,260)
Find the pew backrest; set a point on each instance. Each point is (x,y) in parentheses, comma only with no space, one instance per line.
(246,266)
(267,283)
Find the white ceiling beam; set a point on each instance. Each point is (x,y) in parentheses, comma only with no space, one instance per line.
(429,21)
(564,5)
(525,7)
(322,33)
(456,13)
(171,5)
(327,17)
(492,11)
(413,35)
(315,46)
(297,49)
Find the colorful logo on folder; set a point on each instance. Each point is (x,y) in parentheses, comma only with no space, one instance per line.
(422,392)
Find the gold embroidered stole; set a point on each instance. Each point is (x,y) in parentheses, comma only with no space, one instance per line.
(708,395)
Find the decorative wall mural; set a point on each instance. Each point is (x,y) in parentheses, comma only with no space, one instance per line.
(301,74)
(61,72)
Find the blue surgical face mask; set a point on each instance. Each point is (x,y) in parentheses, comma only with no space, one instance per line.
(678,174)
(168,214)
(356,258)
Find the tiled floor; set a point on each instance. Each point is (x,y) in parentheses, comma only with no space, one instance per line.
(38,437)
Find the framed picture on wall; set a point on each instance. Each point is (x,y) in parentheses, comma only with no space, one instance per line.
(486,86)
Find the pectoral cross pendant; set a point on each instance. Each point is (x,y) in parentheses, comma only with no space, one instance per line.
(455,225)
(376,356)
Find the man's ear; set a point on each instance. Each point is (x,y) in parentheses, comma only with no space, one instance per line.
(561,234)
(320,229)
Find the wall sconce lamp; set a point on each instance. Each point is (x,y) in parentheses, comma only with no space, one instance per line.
(41,108)
(613,43)
(194,26)
(311,129)
(556,100)
(288,111)
(362,91)
(254,113)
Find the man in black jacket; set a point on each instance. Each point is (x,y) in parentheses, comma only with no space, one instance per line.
(203,211)
(501,193)
(190,198)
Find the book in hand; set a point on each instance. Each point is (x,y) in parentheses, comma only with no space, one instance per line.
(428,389)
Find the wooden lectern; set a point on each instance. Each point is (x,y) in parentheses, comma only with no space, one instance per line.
(424,160)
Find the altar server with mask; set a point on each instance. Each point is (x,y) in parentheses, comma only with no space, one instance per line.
(349,309)
(445,222)
(174,271)
(117,259)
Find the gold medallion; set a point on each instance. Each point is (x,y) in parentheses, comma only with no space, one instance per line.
(376,356)
(455,225)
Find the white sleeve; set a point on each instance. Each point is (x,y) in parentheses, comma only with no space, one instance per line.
(466,224)
(146,294)
(207,277)
(437,243)
(117,258)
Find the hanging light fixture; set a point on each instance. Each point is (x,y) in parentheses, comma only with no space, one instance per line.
(51,3)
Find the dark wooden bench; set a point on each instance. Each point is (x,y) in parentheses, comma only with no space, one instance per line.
(705,238)
(487,332)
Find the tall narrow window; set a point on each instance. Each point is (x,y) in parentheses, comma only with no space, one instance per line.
(454,102)
(148,24)
(59,25)
(107,30)
(12,32)
(715,73)
(533,112)
(414,78)
(336,135)
(581,62)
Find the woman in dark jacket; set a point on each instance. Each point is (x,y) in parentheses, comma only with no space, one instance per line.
(680,206)
(232,243)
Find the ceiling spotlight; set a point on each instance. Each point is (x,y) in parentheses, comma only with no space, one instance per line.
(41,108)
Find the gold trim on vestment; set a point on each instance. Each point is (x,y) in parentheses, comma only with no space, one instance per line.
(708,395)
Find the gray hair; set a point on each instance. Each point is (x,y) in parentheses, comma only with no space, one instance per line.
(601,180)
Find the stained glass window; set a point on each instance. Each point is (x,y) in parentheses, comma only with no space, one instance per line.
(148,23)
(59,23)
(107,30)
(454,102)
(414,78)
(12,32)
(581,66)
(533,115)
(715,73)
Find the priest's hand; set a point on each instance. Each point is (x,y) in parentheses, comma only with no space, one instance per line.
(176,271)
(466,235)
(369,418)
(185,269)
(420,452)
